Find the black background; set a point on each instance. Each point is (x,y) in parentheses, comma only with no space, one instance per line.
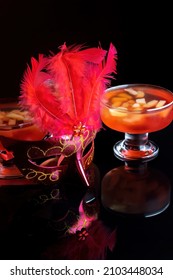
(142,35)
(140,31)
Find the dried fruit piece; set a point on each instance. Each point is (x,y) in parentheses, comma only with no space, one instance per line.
(136,105)
(141,101)
(11,122)
(117,113)
(126,104)
(117,101)
(124,94)
(140,94)
(160,103)
(131,91)
(14,117)
(151,104)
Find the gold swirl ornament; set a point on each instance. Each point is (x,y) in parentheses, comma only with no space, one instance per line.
(50,162)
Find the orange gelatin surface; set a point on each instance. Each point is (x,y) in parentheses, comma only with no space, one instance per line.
(17,124)
(137,108)
(28,133)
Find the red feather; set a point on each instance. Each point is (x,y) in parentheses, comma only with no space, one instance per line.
(64,90)
(37,96)
(100,78)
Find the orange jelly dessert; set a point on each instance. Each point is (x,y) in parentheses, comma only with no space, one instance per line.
(18,125)
(137,108)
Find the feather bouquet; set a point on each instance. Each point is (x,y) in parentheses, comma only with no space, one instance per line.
(62,92)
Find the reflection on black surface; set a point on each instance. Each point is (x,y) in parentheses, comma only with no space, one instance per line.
(139,237)
(136,189)
(68,221)
(60,223)
(27,225)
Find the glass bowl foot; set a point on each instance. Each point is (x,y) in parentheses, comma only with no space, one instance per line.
(135,147)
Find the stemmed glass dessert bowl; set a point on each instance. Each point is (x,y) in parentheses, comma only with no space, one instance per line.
(15,124)
(136,110)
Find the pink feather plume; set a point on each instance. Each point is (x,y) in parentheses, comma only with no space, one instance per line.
(63,90)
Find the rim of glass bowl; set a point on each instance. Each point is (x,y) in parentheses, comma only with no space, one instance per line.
(141,85)
(17,126)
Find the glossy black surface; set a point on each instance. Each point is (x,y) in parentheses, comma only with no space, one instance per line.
(38,221)
(34,219)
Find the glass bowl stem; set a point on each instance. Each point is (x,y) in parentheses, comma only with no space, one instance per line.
(135,147)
